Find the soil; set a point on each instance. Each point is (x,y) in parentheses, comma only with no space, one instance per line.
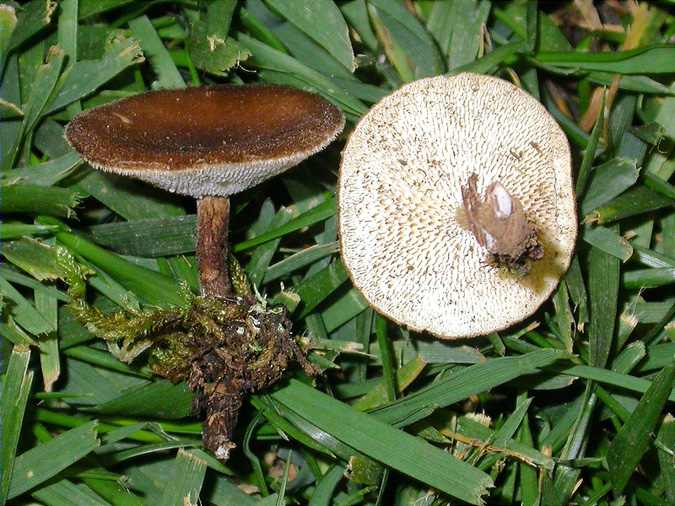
(226,348)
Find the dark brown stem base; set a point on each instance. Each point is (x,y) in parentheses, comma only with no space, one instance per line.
(244,350)
(213,216)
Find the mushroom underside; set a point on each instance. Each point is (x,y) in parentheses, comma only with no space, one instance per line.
(456,208)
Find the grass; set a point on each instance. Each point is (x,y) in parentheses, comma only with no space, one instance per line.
(573,405)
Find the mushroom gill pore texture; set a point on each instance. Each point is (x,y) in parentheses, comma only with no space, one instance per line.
(403,232)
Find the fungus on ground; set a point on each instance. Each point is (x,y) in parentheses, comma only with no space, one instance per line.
(420,240)
(210,143)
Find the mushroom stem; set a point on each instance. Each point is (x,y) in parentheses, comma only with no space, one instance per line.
(213,216)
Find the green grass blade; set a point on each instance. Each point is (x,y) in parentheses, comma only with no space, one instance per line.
(489,63)
(414,44)
(149,449)
(18,230)
(559,491)
(160,399)
(66,493)
(666,459)
(651,258)
(90,8)
(222,492)
(609,377)
(315,215)
(261,32)
(563,316)
(209,46)
(184,488)
(151,286)
(659,185)
(50,362)
(262,255)
(299,260)
(468,18)
(608,181)
(529,487)
(86,76)
(589,153)
(609,241)
(356,12)
(47,173)
(67,29)
(31,18)
(382,442)
(472,380)
(24,312)
(9,110)
(305,49)
(322,21)
(657,59)
(386,352)
(20,279)
(603,290)
(148,238)
(44,262)
(15,391)
(104,360)
(42,462)
(132,200)
(268,58)
(53,201)
(325,488)
(166,71)
(314,290)
(648,278)
(636,201)
(630,444)
(8,22)
(41,89)
(377,391)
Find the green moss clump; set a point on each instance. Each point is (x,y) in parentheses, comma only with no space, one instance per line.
(224,348)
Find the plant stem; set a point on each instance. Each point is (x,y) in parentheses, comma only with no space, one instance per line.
(213,216)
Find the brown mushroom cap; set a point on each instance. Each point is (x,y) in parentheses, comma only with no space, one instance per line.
(403,232)
(216,140)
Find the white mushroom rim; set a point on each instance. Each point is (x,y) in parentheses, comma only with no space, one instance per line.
(403,230)
(208,179)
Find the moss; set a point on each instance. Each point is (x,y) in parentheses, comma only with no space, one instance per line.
(224,347)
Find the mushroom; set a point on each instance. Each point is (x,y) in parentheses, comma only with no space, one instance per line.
(420,240)
(208,143)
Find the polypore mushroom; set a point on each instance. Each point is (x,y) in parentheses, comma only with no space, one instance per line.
(420,240)
(208,143)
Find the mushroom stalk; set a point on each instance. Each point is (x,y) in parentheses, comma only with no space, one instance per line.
(213,216)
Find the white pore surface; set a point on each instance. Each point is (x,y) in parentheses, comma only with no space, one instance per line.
(401,227)
(220,180)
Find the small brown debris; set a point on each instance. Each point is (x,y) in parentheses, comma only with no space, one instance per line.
(226,348)
(499,224)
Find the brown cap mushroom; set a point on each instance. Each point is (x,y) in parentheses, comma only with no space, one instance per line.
(207,142)
(421,241)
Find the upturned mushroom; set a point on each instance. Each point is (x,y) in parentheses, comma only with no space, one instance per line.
(455,205)
(210,143)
